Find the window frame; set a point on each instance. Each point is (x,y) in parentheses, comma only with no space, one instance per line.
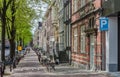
(75,39)
(91,22)
(75,5)
(82,39)
(82,3)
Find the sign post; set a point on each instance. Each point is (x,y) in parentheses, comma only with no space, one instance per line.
(103,28)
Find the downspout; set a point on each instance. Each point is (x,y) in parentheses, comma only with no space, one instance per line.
(70,2)
(103,52)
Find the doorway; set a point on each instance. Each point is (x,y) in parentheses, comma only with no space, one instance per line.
(92,48)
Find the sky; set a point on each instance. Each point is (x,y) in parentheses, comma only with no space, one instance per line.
(40,9)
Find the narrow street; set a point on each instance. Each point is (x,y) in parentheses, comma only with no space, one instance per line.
(29,66)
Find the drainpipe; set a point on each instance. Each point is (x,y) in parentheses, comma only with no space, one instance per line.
(103,66)
(70,2)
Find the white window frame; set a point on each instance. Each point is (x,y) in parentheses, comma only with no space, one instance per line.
(82,3)
(82,39)
(75,5)
(75,40)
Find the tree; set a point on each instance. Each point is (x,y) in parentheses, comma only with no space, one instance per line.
(14,14)
(3,10)
(24,14)
(4,4)
(18,17)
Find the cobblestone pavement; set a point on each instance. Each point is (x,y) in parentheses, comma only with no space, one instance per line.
(29,66)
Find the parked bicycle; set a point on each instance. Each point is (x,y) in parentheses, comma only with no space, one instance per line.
(48,63)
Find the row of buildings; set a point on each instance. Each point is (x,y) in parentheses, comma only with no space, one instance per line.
(84,33)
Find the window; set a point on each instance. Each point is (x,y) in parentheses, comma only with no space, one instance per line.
(82,2)
(75,5)
(38,38)
(75,39)
(67,12)
(91,22)
(61,4)
(90,0)
(82,39)
(69,6)
(38,43)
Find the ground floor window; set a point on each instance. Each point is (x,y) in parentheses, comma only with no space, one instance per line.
(75,39)
(82,39)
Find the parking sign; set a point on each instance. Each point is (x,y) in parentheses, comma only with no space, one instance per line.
(103,23)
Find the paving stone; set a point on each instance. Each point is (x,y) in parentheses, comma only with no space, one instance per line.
(29,66)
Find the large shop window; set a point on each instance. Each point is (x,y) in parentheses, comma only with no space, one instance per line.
(82,39)
(75,39)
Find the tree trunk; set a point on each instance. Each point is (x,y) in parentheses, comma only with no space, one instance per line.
(23,43)
(13,33)
(3,20)
(20,41)
(12,51)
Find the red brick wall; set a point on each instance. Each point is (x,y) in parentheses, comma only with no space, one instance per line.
(84,58)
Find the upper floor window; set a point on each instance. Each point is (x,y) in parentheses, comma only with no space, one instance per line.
(69,6)
(75,5)
(82,3)
(104,0)
(90,0)
(91,22)
(38,38)
(38,43)
(60,4)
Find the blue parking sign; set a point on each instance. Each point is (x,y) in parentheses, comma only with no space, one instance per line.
(103,23)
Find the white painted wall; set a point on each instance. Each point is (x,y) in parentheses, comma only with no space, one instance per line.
(112,43)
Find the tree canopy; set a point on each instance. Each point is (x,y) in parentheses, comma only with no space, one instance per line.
(26,12)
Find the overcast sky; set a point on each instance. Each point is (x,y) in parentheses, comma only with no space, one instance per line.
(40,10)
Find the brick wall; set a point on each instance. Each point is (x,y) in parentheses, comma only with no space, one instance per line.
(78,20)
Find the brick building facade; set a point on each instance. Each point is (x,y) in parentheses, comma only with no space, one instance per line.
(86,38)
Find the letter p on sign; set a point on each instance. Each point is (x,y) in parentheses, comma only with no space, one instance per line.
(103,23)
